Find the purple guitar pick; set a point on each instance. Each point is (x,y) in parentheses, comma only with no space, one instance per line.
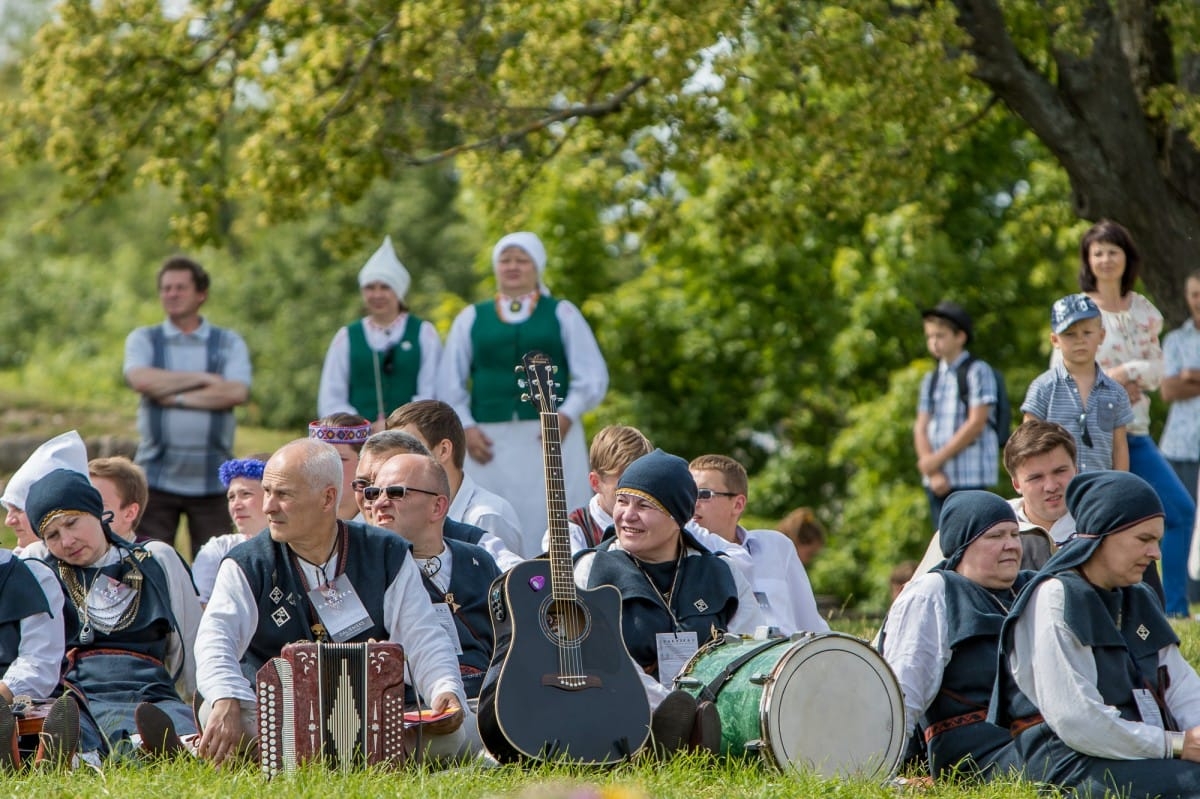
(537,582)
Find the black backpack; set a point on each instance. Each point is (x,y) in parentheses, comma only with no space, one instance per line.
(1001,416)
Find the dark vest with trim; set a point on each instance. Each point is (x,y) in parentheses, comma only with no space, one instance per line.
(21,596)
(374,557)
(471,575)
(1092,615)
(974,616)
(705,597)
(497,348)
(461,531)
(154,621)
(398,382)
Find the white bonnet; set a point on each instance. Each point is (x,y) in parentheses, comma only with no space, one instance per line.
(384,267)
(65,451)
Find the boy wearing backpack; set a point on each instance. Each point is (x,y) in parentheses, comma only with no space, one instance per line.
(955,435)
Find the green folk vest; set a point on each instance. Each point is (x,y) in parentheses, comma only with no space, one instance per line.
(397,373)
(497,348)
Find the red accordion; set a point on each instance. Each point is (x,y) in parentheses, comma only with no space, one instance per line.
(341,704)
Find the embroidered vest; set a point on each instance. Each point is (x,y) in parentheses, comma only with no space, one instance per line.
(497,348)
(373,558)
(705,597)
(398,369)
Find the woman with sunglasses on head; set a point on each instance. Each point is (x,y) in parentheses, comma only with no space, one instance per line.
(387,358)
(1131,355)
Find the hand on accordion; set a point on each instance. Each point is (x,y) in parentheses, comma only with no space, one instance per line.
(446,703)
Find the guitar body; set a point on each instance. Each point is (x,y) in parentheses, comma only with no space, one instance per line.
(527,709)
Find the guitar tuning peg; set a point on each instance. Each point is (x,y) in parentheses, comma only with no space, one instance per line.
(554,369)
(522,383)
(518,369)
(524,398)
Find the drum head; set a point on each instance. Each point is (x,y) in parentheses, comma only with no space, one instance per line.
(834,708)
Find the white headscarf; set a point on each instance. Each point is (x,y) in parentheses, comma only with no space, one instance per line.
(385,267)
(65,451)
(532,245)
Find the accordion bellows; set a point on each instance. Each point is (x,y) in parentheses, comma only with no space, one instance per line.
(341,704)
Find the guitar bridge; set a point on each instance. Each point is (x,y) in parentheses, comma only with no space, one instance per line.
(571,683)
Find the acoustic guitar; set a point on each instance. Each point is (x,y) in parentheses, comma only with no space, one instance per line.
(561,684)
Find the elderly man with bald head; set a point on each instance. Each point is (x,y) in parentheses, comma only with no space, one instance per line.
(411,497)
(263,599)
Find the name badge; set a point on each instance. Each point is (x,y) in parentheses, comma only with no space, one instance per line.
(674,651)
(1148,708)
(763,600)
(446,618)
(340,610)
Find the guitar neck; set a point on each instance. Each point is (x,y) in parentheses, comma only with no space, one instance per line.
(562,576)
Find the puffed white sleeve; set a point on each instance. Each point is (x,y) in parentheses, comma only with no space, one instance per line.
(916,644)
(412,622)
(589,372)
(35,671)
(226,629)
(333,392)
(181,651)
(454,367)
(1058,674)
(431,357)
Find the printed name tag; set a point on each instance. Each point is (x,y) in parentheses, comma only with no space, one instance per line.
(446,618)
(340,610)
(1148,708)
(674,651)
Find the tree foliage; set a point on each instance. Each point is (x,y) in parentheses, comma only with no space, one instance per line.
(750,200)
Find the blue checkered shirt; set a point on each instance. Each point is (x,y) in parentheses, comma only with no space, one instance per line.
(978,464)
(1054,397)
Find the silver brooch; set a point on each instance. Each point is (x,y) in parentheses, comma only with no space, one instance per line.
(281,617)
(276,595)
(1142,632)
(700,605)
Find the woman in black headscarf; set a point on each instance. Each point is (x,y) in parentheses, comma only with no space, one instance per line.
(1091,682)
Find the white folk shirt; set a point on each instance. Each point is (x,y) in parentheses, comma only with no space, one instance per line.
(916,643)
(1058,674)
(492,513)
(786,600)
(231,619)
(35,670)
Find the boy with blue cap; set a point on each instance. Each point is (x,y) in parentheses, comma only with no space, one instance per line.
(1077,394)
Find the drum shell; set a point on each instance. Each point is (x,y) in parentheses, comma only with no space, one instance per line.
(826,703)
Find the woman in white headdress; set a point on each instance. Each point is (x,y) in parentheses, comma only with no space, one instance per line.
(476,378)
(387,358)
(64,451)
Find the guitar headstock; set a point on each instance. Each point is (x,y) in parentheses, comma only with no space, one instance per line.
(539,371)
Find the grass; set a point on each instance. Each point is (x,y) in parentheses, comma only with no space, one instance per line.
(691,777)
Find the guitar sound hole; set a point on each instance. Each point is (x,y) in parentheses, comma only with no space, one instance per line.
(564,622)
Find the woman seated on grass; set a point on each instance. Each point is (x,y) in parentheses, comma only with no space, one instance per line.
(131,615)
(1096,694)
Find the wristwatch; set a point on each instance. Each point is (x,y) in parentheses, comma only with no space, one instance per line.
(178,400)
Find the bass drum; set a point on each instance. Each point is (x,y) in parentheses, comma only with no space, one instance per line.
(823,703)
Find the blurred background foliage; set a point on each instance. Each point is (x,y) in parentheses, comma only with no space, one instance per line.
(752,237)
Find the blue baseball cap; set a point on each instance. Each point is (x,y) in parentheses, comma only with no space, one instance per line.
(1071,309)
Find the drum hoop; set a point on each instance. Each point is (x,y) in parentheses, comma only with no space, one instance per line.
(885,674)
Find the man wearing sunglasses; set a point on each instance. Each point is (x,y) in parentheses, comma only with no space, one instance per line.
(411,499)
(315,577)
(776,574)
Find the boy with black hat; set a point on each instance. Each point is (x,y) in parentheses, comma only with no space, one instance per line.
(957,448)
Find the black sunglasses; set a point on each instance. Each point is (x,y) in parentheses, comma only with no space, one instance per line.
(359,483)
(372,493)
(708,493)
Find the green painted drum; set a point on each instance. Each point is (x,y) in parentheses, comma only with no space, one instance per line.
(825,703)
